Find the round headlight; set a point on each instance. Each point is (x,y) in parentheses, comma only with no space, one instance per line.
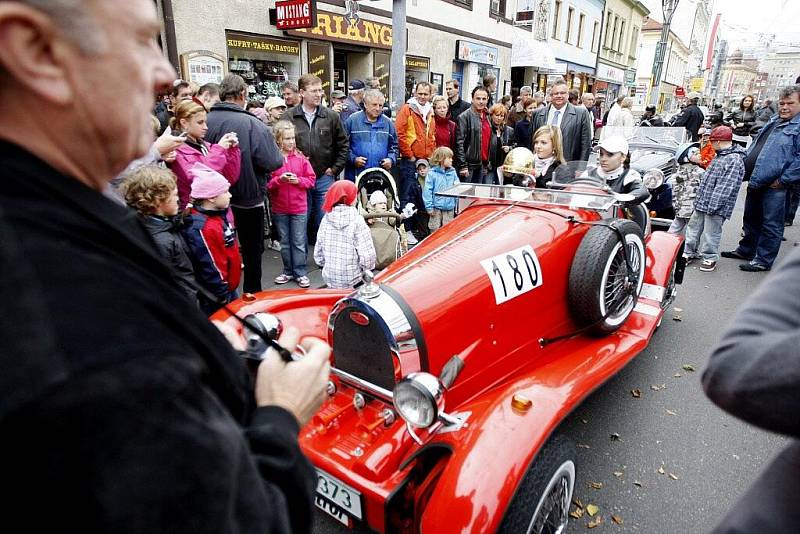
(653,179)
(419,398)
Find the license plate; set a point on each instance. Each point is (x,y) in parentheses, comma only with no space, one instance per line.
(337,498)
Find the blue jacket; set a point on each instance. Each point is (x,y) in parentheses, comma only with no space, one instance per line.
(720,186)
(374,141)
(439,179)
(780,156)
(260,154)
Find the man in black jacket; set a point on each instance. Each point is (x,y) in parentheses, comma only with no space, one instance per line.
(123,408)
(320,135)
(455,105)
(473,133)
(691,117)
(754,374)
(260,156)
(575,123)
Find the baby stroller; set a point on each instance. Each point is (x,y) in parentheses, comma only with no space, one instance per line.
(386,227)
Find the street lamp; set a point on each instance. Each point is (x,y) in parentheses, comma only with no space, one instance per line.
(668,8)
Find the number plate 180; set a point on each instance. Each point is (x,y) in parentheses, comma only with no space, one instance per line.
(513,273)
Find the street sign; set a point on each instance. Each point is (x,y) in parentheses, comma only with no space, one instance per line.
(294,14)
(680,92)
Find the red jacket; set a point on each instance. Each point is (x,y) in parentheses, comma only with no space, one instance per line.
(227,162)
(214,251)
(445,132)
(291,199)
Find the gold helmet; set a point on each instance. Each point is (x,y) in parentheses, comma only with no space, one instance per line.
(518,167)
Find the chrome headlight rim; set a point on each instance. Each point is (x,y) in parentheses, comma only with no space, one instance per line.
(653,178)
(429,389)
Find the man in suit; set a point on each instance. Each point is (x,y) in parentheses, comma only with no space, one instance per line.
(575,123)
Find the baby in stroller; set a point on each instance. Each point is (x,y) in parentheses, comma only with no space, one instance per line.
(377,198)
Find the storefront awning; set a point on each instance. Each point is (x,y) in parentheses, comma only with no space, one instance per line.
(530,52)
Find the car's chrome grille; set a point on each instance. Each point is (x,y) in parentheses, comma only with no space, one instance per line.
(363,350)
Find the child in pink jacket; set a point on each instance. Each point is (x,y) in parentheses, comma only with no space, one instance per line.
(288,195)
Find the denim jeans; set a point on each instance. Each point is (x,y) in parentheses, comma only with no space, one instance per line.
(294,247)
(703,233)
(792,202)
(763,225)
(316,197)
(678,225)
(476,176)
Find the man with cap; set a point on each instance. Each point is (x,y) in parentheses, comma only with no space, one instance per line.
(355,96)
(337,101)
(691,117)
(772,164)
(715,199)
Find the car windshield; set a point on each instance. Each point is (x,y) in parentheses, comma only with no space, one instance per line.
(569,192)
(667,136)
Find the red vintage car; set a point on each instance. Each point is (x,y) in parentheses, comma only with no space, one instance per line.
(454,367)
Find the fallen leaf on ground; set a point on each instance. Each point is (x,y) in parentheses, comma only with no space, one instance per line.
(596,485)
(615,437)
(577,503)
(655,387)
(595,523)
(592,509)
(677,317)
(670,412)
(583,446)
(636,393)
(618,473)
(688,367)
(637,483)
(678,309)
(617,519)
(584,421)
(661,470)
(673,476)
(677,375)
(577,513)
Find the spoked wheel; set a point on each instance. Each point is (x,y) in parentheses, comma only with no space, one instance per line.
(603,286)
(541,503)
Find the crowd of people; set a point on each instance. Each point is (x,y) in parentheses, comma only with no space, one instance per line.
(117,389)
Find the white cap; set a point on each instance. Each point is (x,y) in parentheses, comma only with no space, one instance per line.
(694,95)
(377,197)
(615,143)
(274,102)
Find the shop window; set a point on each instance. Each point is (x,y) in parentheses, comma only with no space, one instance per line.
(557,20)
(264,63)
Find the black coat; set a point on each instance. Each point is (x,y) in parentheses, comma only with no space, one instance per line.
(260,154)
(166,235)
(325,144)
(124,409)
(496,153)
(754,374)
(455,110)
(576,130)
(692,119)
(741,116)
(468,140)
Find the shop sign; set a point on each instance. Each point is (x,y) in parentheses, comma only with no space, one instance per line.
(558,68)
(418,63)
(610,74)
(336,27)
(476,53)
(319,64)
(262,44)
(698,84)
(293,14)
(202,67)
(630,77)
(680,92)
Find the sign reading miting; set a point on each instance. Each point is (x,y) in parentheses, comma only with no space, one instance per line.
(336,27)
(294,14)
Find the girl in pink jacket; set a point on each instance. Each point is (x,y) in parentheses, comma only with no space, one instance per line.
(288,193)
(225,157)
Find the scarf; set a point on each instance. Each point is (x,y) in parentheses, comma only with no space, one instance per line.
(613,175)
(424,111)
(542,164)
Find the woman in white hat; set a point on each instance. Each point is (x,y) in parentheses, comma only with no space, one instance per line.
(615,171)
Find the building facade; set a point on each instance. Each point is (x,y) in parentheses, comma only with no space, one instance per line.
(616,66)
(676,59)
(737,79)
(460,39)
(782,68)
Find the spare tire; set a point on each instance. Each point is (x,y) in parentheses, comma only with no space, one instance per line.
(602,293)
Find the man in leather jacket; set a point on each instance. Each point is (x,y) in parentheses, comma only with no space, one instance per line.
(691,117)
(473,133)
